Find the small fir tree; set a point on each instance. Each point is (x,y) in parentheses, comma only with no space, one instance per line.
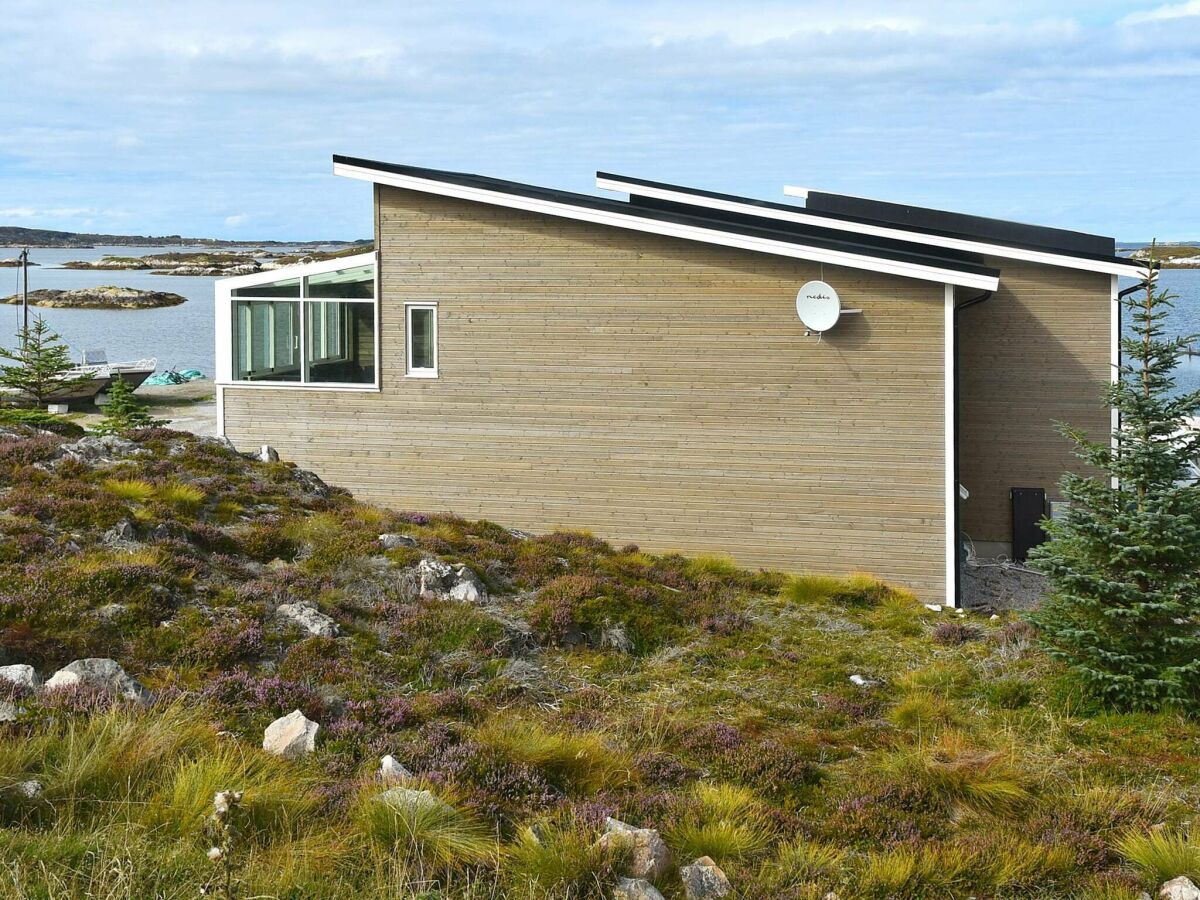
(1123,563)
(124,411)
(41,367)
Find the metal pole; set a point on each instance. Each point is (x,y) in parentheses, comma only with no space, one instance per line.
(25,297)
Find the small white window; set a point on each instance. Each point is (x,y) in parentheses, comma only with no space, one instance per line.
(420,339)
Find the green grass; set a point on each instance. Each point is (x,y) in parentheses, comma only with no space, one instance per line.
(961,768)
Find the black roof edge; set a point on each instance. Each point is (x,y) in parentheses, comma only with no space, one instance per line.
(820,238)
(940,223)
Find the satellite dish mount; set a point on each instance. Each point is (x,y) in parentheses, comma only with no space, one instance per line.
(819,307)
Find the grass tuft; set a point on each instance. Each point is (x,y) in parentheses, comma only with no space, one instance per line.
(1160,855)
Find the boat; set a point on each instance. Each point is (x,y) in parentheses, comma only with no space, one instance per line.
(104,373)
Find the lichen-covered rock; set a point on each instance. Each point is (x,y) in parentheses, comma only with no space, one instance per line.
(704,880)
(123,532)
(268,454)
(635,889)
(30,790)
(308,617)
(395,541)
(1181,888)
(433,576)
(25,676)
(613,636)
(8,711)
(649,856)
(99,672)
(291,736)
(391,772)
(102,449)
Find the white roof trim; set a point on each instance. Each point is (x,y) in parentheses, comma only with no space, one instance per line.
(267,276)
(791,190)
(670,229)
(920,237)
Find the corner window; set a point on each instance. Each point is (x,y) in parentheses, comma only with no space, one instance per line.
(323,333)
(420,339)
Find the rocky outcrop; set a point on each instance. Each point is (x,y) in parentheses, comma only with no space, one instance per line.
(649,856)
(107,297)
(101,673)
(25,676)
(291,736)
(635,889)
(438,579)
(396,541)
(704,880)
(306,616)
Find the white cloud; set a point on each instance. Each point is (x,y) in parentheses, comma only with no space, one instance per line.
(1163,13)
(235,221)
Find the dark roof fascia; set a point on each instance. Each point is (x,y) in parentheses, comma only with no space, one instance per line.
(960,226)
(799,235)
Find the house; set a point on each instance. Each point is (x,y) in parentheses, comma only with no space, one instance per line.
(803,385)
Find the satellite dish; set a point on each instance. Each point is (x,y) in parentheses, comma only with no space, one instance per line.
(818,306)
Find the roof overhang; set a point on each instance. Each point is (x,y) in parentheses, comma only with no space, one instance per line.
(800,216)
(299,270)
(599,211)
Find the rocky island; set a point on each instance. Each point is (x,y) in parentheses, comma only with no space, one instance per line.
(14,263)
(106,297)
(195,263)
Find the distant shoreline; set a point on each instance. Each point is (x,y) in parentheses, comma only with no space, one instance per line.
(43,239)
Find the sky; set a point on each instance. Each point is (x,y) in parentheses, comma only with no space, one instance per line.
(216,118)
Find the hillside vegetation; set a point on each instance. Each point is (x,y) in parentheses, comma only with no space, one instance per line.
(808,734)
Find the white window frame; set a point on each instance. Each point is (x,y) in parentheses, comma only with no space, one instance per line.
(409,371)
(225,310)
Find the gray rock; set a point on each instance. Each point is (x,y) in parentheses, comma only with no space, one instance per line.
(291,736)
(614,637)
(121,533)
(635,889)
(309,618)
(1181,888)
(403,798)
(523,673)
(8,711)
(21,674)
(433,576)
(391,772)
(30,789)
(267,453)
(101,449)
(466,587)
(649,855)
(704,880)
(160,532)
(110,611)
(395,541)
(100,672)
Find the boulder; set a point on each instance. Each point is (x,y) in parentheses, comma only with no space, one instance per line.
(466,587)
(613,636)
(30,789)
(635,889)
(704,880)
(1181,888)
(395,541)
(100,672)
(8,711)
(649,856)
(402,799)
(121,533)
(308,618)
(391,772)
(21,674)
(292,736)
(268,454)
(102,449)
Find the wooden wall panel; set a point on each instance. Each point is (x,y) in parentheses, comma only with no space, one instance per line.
(1035,354)
(645,388)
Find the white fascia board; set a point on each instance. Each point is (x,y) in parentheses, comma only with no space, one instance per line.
(669,229)
(792,190)
(803,217)
(299,270)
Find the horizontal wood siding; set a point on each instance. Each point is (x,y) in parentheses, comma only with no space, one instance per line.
(645,388)
(1035,354)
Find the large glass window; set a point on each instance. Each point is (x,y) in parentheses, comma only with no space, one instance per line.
(266,338)
(324,333)
(421,339)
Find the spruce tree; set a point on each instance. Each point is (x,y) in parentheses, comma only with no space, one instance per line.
(1123,563)
(42,369)
(124,411)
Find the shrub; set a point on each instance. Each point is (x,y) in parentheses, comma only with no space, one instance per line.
(580,763)
(1160,855)
(955,634)
(41,420)
(429,834)
(561,861)
(1009,693)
